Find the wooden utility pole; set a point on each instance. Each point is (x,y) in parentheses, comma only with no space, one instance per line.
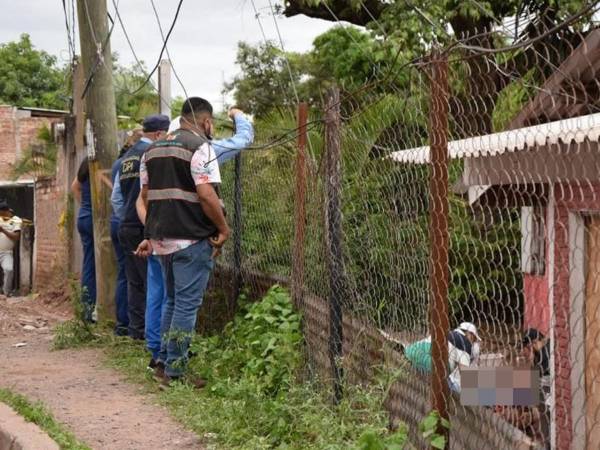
(164,87)
(99,95)
(439,237)
(300,210)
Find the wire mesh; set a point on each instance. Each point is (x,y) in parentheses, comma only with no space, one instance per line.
(523,232)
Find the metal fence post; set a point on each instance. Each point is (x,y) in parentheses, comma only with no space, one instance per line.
(237,233)
(335,262)
(438,232)
(300,209)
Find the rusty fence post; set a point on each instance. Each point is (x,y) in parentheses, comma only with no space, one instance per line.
(438,236)
(237,234)
(300,210)
(335,261)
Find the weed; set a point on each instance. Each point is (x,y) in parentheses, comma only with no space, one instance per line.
(38,414)
(77,331)
(254,398)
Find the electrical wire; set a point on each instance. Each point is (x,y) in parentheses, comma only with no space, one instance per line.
(162,50)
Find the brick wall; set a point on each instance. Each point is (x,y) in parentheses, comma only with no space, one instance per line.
(569,197)
(17,133)
(51,251)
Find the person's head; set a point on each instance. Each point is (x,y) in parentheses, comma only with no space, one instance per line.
(5,210)
(470,331)
(533,340)
(155,127)
(197,115)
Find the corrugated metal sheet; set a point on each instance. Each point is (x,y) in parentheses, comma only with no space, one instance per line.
(574,130)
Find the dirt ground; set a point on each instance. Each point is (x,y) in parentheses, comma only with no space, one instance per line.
(94,402)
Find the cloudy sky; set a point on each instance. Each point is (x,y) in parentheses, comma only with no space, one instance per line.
(202,45)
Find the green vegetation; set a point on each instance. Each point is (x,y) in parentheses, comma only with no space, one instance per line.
(257,396)
(40,159)
(38,414)
(75,332)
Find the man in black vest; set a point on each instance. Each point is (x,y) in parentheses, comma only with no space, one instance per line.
(131,230)
(185,226)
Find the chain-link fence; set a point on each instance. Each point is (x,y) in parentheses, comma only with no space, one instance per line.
(462,190)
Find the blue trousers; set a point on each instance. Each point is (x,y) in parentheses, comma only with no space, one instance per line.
(186,275)
(85,227)
(155,304)
(121,288)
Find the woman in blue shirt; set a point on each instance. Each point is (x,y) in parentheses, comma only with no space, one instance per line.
(85,225)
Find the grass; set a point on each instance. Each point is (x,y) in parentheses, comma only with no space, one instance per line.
(256,397)
(38,414)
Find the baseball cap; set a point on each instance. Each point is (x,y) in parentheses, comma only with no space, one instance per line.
(468,326)
(156,122)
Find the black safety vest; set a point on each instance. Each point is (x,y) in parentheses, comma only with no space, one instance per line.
(129,179)
(174,210)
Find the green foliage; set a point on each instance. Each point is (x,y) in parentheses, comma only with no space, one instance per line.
(430,429)
(255,398)
(40,159)
(38,414)
(76,332)
(261,345)
(30,77)
(127,80)
(176,106)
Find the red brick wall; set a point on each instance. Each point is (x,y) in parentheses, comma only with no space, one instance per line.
(17,133)
(51,252)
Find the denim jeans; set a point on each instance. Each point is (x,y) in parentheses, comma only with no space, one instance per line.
(121,288)
(186,275)
(156,300)
(85,226)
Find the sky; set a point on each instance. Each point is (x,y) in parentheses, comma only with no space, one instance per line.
(202,46)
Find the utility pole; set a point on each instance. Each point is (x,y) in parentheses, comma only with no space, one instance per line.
(99,95)
(164,87)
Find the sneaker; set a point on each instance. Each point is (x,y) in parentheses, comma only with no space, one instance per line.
(159,372)
(194,381)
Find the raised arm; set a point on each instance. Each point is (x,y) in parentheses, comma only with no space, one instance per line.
(226,149)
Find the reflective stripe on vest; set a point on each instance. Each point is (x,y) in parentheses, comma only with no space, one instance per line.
(169,152)
(173,194)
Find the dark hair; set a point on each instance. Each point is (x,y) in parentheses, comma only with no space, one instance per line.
(196,105)
(530,335)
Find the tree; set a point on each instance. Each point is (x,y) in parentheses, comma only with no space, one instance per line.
(30,77)
(264,82)
(127,80)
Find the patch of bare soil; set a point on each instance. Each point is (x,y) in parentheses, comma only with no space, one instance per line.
(94,402)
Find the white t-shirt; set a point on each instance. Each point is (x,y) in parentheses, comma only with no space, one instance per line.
(10,224)
(457,358)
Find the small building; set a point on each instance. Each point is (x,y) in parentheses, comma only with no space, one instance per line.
(548,165)
(40,199)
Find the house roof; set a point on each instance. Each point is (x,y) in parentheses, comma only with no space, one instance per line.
(572,90)
(44,112)
(564,110)
(574,130)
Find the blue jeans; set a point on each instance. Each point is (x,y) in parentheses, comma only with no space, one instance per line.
(121,288)
(156,300)
(85,226)
(186,275)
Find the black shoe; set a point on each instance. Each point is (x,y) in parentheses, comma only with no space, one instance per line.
(192,354)
(193,381)
(159,372)
(152,364)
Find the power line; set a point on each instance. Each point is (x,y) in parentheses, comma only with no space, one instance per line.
(162,50)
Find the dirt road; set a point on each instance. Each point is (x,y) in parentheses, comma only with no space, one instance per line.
(94,402)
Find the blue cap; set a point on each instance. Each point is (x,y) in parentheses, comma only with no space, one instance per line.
(156,122)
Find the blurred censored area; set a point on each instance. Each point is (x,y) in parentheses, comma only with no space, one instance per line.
(462,187)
